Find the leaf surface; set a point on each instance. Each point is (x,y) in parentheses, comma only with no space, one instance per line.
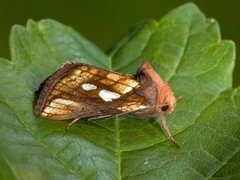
(184,47)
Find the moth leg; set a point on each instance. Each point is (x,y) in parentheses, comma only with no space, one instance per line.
(98,117)
(164,123)
(71,123)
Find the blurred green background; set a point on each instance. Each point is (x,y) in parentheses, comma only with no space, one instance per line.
(103,22)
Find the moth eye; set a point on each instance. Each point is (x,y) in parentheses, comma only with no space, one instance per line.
(164,108)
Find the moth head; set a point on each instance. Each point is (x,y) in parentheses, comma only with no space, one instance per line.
(167,101)
(164,99)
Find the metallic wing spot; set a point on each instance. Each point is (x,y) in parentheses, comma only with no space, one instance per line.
(64,101)
(93,70)
(77,72)
(63,88)
(131,107)
(51,110)
(73,77)
(86,75)
(79,80)
(129,82)
(84,68)
(73,84)
(113,76)
(65,80)
(121,88)
(55,92)
(44,114)
(107,82)
(88,87)
(142,107)
(108,95)
(48,110)
(62,106)
(128,89)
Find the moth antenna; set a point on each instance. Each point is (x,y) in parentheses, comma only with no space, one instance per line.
(149,107)
(98,117)
(165,126)
(71,123)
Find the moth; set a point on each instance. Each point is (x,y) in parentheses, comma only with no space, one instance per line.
(80,90)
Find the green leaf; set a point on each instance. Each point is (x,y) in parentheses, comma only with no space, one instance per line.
(184,47)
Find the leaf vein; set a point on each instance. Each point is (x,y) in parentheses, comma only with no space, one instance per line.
(41,142)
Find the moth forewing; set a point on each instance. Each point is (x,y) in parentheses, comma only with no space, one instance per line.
(83,91)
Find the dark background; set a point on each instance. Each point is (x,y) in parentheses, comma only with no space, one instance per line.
(104,21)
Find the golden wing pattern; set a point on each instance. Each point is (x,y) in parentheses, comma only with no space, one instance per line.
(83,91)
(80,90)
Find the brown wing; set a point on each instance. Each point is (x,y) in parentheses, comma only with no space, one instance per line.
(83,91)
